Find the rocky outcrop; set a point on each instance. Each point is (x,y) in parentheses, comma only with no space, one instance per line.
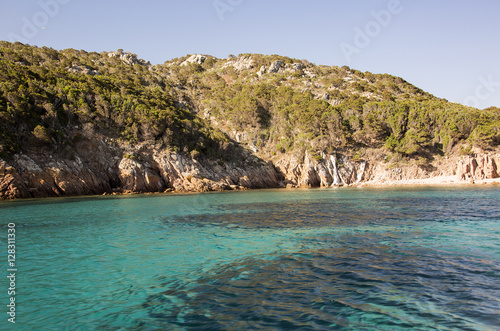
(106,166)
(384,174)
(140,177)
(241,63)
(478,167)
(101,165)
(195,58)
(276,66)
(297,66)
(11,183)
(324,171)
(449,169)
(83,70)
(261,71)
(128,58)
(161,169)
(92,171)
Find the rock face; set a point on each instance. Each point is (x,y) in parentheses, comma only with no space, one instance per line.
(101,165)
(261,71)
(276,66)
(329,170)
(195,58)
(243,63)
(478,167)
(106,166)
(128,58)
(11,183)
(41,175)
(297,66)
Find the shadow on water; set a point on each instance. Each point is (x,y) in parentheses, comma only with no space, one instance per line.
(394,263)
(375,288)
(329,212)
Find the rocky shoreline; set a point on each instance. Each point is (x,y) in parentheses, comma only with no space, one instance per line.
(107,166)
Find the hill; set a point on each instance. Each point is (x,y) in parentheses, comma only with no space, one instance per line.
(76,122)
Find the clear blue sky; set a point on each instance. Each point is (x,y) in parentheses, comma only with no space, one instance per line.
(448,48)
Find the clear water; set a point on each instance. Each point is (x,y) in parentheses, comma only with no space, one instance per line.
(322,259)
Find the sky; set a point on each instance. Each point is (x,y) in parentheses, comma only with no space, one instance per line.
(448,48)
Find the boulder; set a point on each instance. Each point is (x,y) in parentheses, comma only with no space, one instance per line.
(128,58)
(297,66)
(84,70)
(243,63)
(276,66)
(261,71)
(195,58)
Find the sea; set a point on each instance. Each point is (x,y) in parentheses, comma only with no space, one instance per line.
(419,258)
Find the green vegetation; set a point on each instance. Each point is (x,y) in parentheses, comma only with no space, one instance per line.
(332,108)
(45,95)
(48,97)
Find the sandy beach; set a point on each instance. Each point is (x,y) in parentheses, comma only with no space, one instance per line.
(433,181)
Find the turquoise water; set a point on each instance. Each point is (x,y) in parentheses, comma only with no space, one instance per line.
(320,259)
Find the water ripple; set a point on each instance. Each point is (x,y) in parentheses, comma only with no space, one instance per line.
(330,289)
(308,260)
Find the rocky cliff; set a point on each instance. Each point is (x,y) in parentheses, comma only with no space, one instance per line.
(478,167)
(101,165)
(329,170)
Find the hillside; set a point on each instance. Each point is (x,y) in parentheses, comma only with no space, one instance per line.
(76,122)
